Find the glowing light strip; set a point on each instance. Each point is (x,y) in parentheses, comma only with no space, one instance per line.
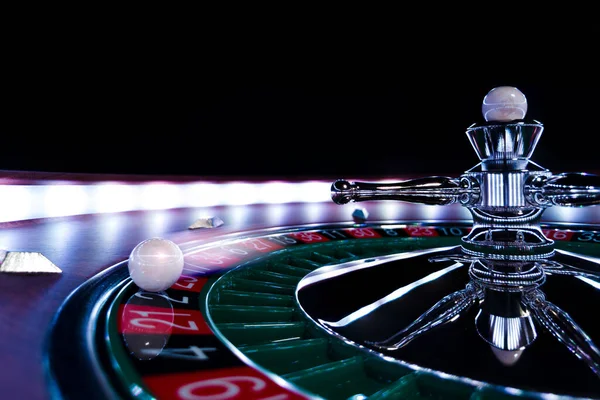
(22,202)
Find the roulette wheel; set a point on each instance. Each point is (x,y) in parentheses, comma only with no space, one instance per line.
(481,286)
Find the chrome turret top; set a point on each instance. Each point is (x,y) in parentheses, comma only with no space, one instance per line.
(506,141)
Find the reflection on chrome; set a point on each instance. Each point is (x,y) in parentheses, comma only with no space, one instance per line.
(565,329)
(506,193)
(510,257)
(507,293)
(506,333)
(508,308)
(146,334)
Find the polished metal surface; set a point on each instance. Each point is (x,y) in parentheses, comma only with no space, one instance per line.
(431,190)
(517,325)
(506,193)
(499,145)
(566,189)
(509,256)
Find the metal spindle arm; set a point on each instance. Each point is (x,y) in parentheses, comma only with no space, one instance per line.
(445,310)
(571,189)
(565,329)
(431,190)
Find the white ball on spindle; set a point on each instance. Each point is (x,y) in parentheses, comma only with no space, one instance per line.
(504,104)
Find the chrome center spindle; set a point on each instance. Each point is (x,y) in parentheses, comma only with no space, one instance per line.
(506,193)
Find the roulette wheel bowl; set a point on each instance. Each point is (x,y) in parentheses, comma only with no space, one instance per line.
(257,315)
(492,308)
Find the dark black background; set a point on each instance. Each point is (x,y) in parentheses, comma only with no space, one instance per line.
(281,111)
